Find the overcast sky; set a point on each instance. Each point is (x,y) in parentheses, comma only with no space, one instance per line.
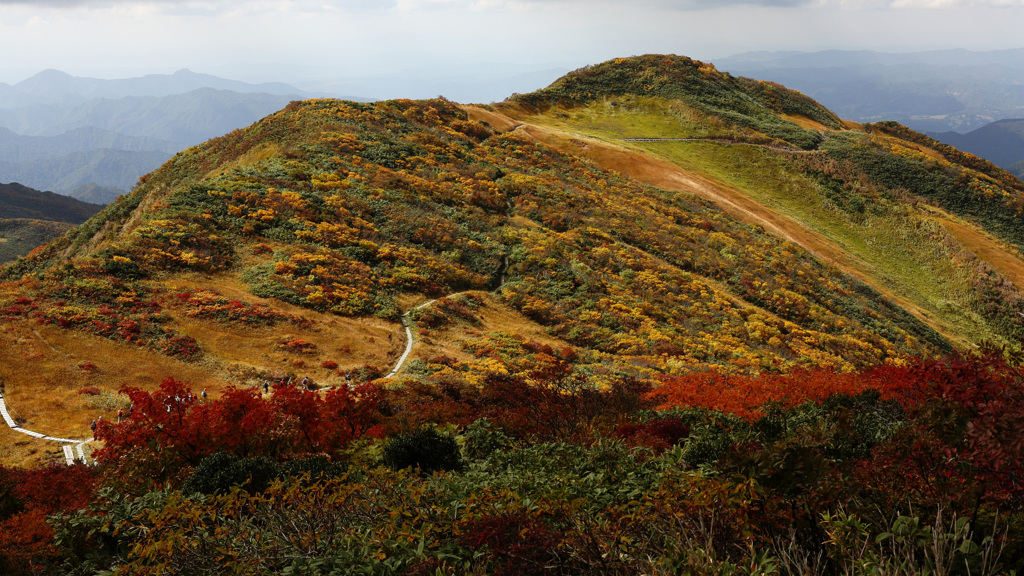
(342,45)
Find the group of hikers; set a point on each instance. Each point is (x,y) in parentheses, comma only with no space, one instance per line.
(168,403)
(305,384)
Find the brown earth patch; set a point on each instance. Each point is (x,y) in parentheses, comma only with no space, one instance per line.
(1003,258)
(806,123)
(499,122)
(494,316)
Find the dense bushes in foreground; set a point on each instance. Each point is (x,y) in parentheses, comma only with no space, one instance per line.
(905,470)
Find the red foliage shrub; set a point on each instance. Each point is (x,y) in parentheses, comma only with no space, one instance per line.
(983,429)
(518,544)
(745,395)
(26,540)
(329,364)
(656,434)
(89,391)
(169,430)
(297,345)
(26,543)
(184,347)
(88,367)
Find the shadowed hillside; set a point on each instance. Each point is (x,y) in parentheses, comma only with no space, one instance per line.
(29,218)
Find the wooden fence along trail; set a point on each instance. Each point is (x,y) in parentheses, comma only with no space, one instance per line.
(72,448)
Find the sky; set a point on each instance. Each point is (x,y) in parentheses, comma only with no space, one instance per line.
(422,48)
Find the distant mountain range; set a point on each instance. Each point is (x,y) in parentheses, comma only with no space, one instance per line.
(1001,143)
(56,87)
(938,91)
(80,136)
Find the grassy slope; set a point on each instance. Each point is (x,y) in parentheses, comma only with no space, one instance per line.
(346,214)
(917,253)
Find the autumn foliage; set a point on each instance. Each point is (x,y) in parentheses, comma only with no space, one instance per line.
(172,429)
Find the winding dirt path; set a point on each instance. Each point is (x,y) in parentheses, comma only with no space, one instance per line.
(408,335)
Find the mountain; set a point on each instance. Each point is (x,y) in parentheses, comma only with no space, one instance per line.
(56,87)
(1018,169)
(182,119)
(19,148)
(653,318)
(95,194)
(937,91)
(20,201)
(118,168)
(61,132)
(30,218)
(789,237)
(1000,142)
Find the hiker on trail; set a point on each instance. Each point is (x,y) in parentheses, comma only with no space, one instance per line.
(348,379)
(305,382)
(93,426)
(120,413)
(266,386)
(204,395)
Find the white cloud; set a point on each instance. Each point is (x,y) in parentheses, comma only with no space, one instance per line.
(330,40)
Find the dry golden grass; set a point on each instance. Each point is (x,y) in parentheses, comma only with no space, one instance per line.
(17,449)
(249,158)
(41,365)
(807,123)
(494,316)
(1005,259)
(495,120)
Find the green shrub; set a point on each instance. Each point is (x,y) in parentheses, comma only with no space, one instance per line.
(220,471)
(427,450)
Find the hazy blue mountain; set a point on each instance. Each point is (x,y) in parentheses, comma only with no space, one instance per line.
(1001,142)
(17,147)
(108,168)
(938,91)
(56,87)
(184,119)
(96,194)
(94,137)
(1018,169)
